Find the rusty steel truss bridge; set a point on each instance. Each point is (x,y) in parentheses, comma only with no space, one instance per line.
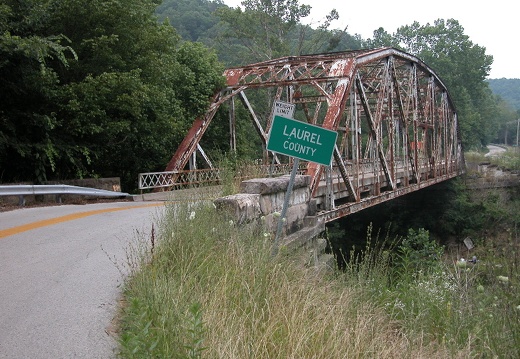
(396,123)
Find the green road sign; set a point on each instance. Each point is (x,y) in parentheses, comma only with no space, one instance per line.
(302,140)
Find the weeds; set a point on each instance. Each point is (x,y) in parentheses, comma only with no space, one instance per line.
(196,331)
(212,290)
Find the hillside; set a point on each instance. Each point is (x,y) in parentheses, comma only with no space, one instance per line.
(508,89)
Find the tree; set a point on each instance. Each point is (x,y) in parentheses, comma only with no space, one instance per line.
(29,88)
(193,19)
(268,28)
(120,106)
(508,89)
(381,39)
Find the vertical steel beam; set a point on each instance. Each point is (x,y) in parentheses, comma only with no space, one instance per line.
(232,126)
(373,129)
(404,124)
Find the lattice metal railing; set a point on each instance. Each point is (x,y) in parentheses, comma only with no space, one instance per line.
(172,180)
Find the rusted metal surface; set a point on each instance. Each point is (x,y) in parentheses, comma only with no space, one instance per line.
(172,180)
(397,126)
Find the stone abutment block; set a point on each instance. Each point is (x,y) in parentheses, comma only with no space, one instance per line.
(263,198)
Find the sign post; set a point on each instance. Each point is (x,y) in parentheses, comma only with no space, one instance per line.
(301,141)
(281,220)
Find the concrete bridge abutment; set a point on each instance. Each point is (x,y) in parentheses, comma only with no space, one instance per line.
(261,201)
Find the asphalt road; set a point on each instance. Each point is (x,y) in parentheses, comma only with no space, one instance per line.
(61,270)
(495,151)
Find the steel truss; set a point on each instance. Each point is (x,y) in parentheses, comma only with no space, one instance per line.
(397,126)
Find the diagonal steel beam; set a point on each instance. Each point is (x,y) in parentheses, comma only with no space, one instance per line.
(403,120)
(344,70)
(373,129)
(344,175)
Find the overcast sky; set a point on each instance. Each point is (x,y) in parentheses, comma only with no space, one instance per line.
(493,25)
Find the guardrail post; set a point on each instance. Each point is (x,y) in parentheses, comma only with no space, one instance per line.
(21,201)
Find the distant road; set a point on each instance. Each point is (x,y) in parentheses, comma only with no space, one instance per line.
(495,150)
(61,269)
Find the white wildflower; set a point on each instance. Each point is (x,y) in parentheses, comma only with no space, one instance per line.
(503,279)
(461,263)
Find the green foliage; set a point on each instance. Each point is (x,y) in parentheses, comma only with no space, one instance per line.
(470,212)
(254,306)
(510,159)
(196,331)
(263,26)
(193,19)
(508,90)
(28,92)
(114,116)
(417,252)
(471,307)
(267,30)
(507,120)
(113,101)
(198,77)
(228,166)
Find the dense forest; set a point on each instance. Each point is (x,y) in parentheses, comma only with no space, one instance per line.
(508,90)
(508,93)
(99,89)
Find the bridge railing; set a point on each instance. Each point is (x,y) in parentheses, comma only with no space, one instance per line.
(172,180)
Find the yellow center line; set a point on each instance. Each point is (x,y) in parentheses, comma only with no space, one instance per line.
(70,217)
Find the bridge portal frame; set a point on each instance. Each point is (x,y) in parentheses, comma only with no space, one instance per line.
(397,125)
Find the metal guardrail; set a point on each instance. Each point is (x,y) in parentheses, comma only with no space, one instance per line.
(58,190)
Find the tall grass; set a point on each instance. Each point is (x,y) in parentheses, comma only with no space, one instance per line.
(510,159)
(209,289)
